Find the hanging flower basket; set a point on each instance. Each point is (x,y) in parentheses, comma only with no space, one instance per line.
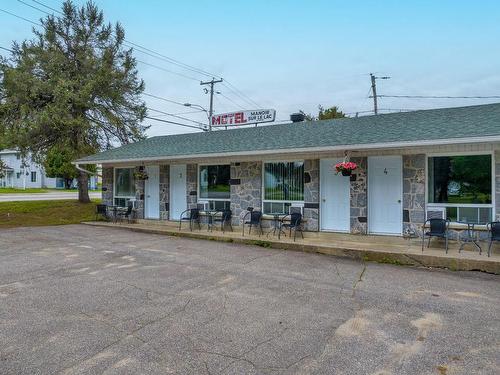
(346,168)
(141,174)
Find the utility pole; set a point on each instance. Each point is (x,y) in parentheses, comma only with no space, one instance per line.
(211,110)
(374,91)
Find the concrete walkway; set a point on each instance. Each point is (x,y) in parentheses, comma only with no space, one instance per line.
(383,249)
(53,195)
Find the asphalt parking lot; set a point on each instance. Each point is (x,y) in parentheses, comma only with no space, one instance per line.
(87,300)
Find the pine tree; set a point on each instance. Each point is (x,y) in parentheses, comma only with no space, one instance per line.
(73,86)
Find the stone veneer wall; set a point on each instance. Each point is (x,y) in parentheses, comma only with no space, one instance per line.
(413,193)
(191,185)
(164,191)
(358,195)
(246,188)
(497,185)
(311,194)
(139,197)
(107,185)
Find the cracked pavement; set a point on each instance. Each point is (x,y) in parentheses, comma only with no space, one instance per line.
(87,300)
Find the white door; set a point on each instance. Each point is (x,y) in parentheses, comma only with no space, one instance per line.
(385,194)
(152,193)
(178,194)
(335,202)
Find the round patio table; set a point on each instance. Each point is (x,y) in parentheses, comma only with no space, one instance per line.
(277,217)
(469,235)
(210,218)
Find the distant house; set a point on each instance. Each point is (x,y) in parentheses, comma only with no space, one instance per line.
(25,173)
(411,166)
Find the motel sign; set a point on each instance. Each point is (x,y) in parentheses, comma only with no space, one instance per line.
(244,117)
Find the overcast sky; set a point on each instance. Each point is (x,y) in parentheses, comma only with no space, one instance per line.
(292,55)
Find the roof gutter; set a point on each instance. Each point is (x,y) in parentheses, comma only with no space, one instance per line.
(77,166)
(368,146)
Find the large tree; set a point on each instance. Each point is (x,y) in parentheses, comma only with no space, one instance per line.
(73,84)
(58,164)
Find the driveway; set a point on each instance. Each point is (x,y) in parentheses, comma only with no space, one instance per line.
(86,300)
(53,195)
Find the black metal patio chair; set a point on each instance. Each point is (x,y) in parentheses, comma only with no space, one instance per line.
(295,224)
(224,219)
(494,229)
(101,209)
(437,228)
(255,221)
(192,215)
(126,214)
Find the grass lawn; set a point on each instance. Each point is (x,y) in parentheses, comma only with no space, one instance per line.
(39,213)
(37,190)
(6,190)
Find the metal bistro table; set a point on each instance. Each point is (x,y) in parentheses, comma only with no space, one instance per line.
(277,217)
(210,214)
(118,209)
(470,234)
(114,213)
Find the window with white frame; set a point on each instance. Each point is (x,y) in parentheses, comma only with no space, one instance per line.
(283,186)
(33,176)
(462,185)
(124,186)
(214,186)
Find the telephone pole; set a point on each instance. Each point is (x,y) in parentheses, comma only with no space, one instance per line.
(374,91)
(211,110)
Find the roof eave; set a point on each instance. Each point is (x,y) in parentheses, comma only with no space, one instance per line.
(367,146)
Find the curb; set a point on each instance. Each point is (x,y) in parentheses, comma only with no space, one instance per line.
(419,260)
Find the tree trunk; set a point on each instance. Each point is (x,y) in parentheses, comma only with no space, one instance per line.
(83,187)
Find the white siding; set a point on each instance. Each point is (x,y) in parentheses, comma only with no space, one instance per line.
(10,158)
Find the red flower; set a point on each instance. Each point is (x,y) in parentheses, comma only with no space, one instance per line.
(345,166)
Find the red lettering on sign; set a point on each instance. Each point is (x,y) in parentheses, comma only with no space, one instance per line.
(239,118)
(215,120)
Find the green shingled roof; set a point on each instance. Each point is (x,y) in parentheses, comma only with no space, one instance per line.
(426,125)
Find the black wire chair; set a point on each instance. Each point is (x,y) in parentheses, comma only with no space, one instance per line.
(101,209)
(295,224)
(437,228)
(224,219)
(255,221)
(126,214)
(494,229)
(192,215)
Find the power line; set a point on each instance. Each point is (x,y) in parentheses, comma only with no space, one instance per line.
(177,116)
(155,54)
(46,6)
(189,112)
(164,99)
(439,97)
(174,123)
(22,18)
(240,94)
(154,96)
(229,99)
(34,7)
(7,49)
(172,60)
(168,71)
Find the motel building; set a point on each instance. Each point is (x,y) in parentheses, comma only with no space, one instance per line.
(410,166)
